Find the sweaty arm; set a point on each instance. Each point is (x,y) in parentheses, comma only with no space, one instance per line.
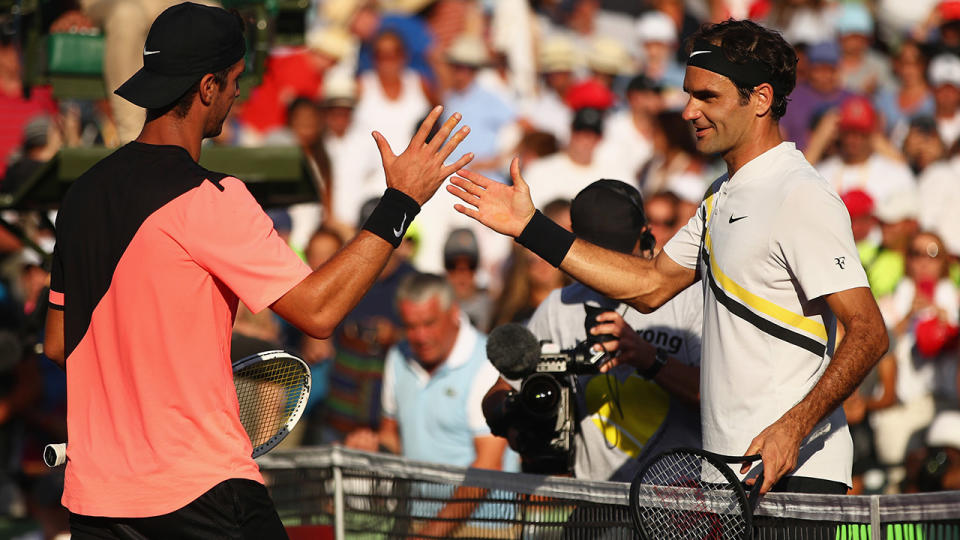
(318,303)
(864,342)
(509,210)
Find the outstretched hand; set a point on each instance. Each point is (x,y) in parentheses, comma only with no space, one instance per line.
(505,209)
(420,169)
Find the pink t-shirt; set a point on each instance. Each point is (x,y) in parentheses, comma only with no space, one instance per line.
(152,255)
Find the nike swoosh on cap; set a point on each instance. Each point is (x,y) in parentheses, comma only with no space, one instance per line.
(694,53)
(148,53)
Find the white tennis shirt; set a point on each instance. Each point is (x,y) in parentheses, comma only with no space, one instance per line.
(775,239)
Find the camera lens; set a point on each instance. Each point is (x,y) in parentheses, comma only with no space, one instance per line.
(540,395)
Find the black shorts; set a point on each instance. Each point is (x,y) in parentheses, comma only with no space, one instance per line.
(236,509)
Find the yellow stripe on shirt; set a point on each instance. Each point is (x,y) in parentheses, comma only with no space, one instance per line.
(762,305)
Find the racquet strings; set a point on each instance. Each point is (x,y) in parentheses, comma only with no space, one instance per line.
(268,393)
(688,497)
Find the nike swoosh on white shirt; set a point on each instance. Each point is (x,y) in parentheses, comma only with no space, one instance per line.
(398,232)
(694,53)
(148,53)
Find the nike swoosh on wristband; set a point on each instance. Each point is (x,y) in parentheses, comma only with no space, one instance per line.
(398,232)
(148,53)
(694,53)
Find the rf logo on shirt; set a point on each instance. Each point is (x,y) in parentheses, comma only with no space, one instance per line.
(841,262)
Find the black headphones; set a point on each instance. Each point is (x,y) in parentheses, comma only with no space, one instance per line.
(632,194)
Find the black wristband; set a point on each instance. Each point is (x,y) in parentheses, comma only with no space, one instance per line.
(392,215)
(659,360)
(549,241)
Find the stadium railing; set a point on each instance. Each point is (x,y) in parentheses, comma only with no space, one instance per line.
(334,492)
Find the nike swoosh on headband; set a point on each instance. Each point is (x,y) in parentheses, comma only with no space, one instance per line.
(148,53)
(694,53)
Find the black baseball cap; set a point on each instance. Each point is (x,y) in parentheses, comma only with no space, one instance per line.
(186,42)
(588,119)
(609,213)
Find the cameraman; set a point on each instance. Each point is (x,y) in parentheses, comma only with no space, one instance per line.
(647,399)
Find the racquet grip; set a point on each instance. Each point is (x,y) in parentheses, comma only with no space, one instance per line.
(55,455)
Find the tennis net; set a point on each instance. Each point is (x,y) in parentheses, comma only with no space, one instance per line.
(333,492)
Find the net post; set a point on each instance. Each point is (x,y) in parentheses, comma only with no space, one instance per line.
(338,525)
(875,517)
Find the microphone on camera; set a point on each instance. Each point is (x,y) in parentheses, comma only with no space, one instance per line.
(513,350)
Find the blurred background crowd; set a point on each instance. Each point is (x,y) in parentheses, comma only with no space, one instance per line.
(580,90)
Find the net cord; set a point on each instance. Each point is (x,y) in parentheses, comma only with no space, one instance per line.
(920,507)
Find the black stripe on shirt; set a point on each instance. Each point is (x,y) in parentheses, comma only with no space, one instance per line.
(775,330)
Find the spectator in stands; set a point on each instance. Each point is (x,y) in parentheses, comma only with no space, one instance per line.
(608,59)
(910,97)
(564,174)
(15,108)
(292,72)
(816,95)
(528,279)
(944,74)
(354,175)
(303,129)
(361,342)
(393,97)
(365,20)
(922,314)
(662,210)
(803,21)
(556,63)
(318,353)
(461,258)
(676,162)
(940,197)
(862,69)
(434,381)
(897,218)
(484,111)
(535,145)
(657,34)
(923,146)
(41,141)
(862,161)
(628,133)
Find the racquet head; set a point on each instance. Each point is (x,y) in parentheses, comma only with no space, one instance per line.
(692,494)
(272,391)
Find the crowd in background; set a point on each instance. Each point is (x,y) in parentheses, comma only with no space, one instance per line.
(580,90)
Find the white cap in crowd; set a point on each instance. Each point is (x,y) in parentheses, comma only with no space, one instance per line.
(330,41)
(339,12)
(945,430)
(656,26)
(557,53)
(610,57)
(468,51)
(944,69)
(898,207)
(339,89)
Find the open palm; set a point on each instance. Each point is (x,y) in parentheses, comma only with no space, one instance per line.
(505,209)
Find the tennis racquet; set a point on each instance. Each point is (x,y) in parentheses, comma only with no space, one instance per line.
(272,391)
(687,493)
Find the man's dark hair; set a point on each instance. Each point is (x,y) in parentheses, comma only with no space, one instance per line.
(746,41)
(181,107)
